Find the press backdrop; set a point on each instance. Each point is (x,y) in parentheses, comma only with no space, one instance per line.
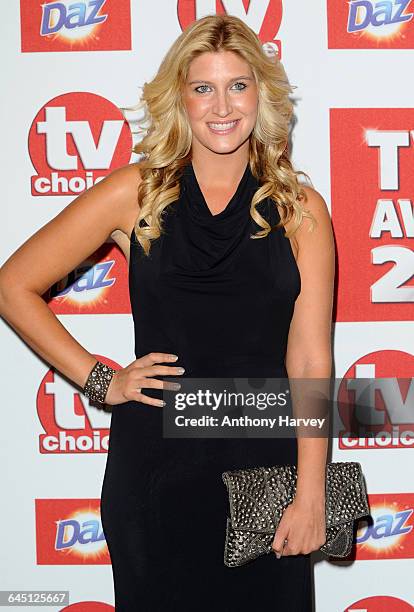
(67,70)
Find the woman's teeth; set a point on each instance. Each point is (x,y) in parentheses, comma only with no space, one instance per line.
(222,127)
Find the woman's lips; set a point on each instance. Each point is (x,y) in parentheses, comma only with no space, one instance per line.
(224,131)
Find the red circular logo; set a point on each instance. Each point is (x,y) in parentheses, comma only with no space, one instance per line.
(264,18)
(88,606)
(374,402)
(380,603)
(75,140)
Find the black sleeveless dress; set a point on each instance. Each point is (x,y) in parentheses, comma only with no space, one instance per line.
(223,303)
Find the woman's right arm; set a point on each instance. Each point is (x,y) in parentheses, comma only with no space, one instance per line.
(51,253)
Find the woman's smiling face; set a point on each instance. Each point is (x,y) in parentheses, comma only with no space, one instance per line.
(220,96)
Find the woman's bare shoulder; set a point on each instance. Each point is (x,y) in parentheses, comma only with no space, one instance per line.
(314,201)
(129,178)
(317,206)
(321,236)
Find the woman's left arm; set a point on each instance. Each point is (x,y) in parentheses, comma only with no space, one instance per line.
(309,356)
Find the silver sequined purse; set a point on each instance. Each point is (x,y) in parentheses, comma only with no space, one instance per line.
(258,497)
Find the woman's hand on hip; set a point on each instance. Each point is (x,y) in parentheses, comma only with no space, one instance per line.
(127,383)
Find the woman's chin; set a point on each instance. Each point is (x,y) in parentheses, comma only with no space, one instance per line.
(224,148)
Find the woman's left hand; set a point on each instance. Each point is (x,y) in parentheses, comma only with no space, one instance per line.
(303,525)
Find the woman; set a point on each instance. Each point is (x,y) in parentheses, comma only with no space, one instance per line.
(215,172)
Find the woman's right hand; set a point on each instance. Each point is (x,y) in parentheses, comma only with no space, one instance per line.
(127,383)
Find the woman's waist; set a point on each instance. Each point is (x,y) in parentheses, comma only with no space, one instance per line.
(211,365)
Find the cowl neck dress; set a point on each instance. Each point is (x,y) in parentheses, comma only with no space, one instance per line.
(222,302)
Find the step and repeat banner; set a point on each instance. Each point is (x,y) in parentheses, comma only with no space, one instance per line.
(71,73)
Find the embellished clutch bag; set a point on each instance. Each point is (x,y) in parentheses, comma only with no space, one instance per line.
(258,497)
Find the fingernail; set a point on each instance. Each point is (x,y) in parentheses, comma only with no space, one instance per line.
(174,357)
(181,370)
(278,555)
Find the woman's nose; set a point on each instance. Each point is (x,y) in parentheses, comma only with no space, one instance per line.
(222,105)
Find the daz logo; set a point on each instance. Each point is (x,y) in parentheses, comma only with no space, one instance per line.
(388,532)
(69,532)
(366,24)
(99,285)
(262,16)
(70,423)
(88,25)
(75,140)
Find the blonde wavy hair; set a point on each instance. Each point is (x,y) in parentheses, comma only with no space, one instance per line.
(166,145)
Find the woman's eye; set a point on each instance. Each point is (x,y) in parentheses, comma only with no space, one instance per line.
(240,83)
(199,87)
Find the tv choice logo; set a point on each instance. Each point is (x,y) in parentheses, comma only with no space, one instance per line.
(369,24)
(375,397)
(264,17)
(375,193)
(90,287)
(88,25)
(75,140)
(380,603)
(69,532)
(70,424)
(388,532)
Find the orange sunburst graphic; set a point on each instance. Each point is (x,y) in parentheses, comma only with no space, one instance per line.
(85,294)
(74,36)
(84,302)
(388,533)
(78,536)
(389,32)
